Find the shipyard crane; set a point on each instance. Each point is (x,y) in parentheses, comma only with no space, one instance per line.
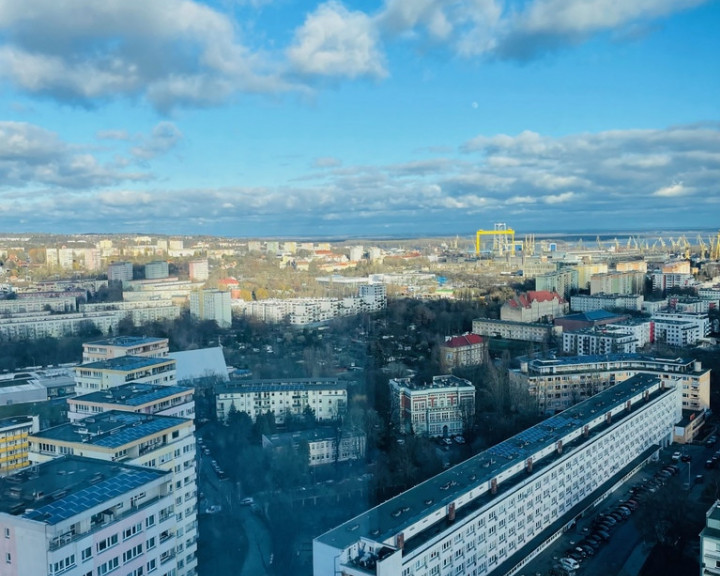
(715,248)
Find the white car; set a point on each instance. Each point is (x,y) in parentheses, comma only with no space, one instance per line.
(676,456)
(569,563)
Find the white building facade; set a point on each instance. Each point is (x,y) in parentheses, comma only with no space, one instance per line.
(496,511)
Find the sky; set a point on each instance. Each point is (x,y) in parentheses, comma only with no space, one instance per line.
(281,118)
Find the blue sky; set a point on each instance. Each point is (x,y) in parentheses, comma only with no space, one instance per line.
(282,118)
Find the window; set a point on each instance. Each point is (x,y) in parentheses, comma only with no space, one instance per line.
(107,543)
(8,558)
(108,566)
(150,543)
(150,521)
(134,552)
(152,565)
(132,530)
(86,554)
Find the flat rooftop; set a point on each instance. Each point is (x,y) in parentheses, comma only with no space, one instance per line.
(65,487)
(604,358)
(111,429)
(126,363)
(15,421)
(438,382)
(133,394)
(280,385)
(391,517)
(126,341)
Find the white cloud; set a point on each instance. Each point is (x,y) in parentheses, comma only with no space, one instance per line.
(170,51)
(571,177)
(558,198)
(335,41)
(672,191)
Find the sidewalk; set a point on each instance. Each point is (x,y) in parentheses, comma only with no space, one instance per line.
(636,560)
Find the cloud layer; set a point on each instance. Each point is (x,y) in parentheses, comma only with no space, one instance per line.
(635,178)
(184,53)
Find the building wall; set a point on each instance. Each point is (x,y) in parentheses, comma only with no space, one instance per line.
(495,528)
(14,445)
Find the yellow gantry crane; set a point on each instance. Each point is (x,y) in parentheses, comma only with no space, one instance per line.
(715,248)
(503,239)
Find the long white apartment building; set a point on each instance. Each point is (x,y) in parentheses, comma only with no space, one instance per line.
(161,442)
(104,374)
(78,516)
(558,383)
(496,511)
(512,330)
(588,303)
(326,396)
(25,302)
(135,397)
(443,407)
(35,325)
(140,312)
(118,346)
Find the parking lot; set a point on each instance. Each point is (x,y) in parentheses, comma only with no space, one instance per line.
(607,540)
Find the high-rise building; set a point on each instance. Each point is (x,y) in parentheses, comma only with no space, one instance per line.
(77,516)
(211,305)
(157,270)
(163,442)
(199,270)
(120,272)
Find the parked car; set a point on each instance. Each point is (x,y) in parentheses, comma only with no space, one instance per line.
(686,458)
(569,563)
(676,456)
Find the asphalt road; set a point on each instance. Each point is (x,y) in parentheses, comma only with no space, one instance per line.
(235,536)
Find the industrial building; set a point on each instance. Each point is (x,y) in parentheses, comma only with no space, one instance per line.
(495,512)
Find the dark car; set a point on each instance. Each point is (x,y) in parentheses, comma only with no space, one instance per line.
(603,534)
(686,458)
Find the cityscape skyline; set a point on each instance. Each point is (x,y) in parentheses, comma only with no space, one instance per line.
(258,118)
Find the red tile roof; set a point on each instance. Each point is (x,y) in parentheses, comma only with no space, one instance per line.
(465,340)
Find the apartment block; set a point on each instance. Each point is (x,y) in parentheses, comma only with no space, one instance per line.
(104,374)
(588,303)
(120,272)
(157,270)
(632,282)
(679,329)
(510,330)
(710,542)
(600,340)
(443,407)
(14,445)
(211,305)
(324,445)
(558,383)
(496,511)
(160,442)
(107,348)
(139,398)
(32,326)
(198,270)
(78,516)
(325,396)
